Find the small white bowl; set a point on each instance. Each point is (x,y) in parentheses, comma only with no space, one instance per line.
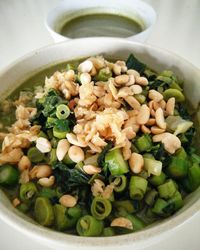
(143,13)
(157,59)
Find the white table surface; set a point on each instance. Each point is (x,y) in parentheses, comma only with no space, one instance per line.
(177,29)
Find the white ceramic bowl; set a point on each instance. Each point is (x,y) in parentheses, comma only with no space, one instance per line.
(157,59)
(143,12)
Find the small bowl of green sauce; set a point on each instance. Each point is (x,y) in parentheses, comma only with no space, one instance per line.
(132,19)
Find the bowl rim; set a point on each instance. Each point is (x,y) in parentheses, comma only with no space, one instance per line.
(59,238)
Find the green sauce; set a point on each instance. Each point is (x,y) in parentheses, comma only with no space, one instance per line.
(98,24)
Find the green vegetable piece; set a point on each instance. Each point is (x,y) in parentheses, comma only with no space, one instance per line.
(61,128)
(148,156)
(62,111)
(28,192)
(141,98)
(180,153)
(168,73)
(167,190)
(137,187)
(175,85)
(195,158)
(9,175)
(174,93)
(150,216)
(23,207)
(116,163)
(50,134)
(151,75)
(143,143)
(89,226)
(47,193)
(74,212)
(43,211)
(66,218)
(71,66)
(100,208)
(192,181)
(165,79)
(101,157)
(51,121)
(138,224)
(159,208)
(175,202)
(67,160)
(108,231)
(157,180)
(150,197)
(42,134)
(119,181)
(153,166)
(133,63)
(61,220)
(53,156)
(178,168)
(54,142)
(103,74)
(35,155)
(126,205)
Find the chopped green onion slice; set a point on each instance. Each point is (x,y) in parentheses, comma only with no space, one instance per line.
(62,111)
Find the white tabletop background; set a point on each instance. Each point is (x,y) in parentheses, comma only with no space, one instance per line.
(177,29)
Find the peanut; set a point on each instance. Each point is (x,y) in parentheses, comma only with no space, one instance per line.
(133,102)
(62,149)
(90,169)
(145,130)
(76,154)
(141,80)
(160,120)
(170,106)
(85,78)
(156,130)
(85,67)
(122,222)
(68,200)
(144,114)
(40,171)
(121,79)
(137,89)
(24,163)
(43,145)
(155,95)
(16,202)
(136,163)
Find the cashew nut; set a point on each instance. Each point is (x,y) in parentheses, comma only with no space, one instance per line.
(90,169)
(122,222)
(47,182)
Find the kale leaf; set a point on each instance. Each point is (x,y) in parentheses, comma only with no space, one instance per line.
(133,63)
(101,158)
(67,179)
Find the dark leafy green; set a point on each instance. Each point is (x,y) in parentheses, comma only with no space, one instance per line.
(67,178)
(101,158)
(133,63)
